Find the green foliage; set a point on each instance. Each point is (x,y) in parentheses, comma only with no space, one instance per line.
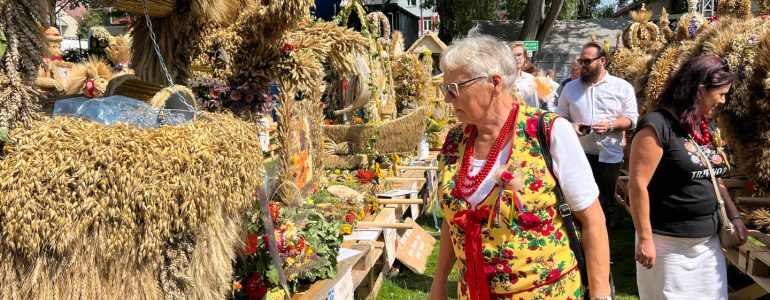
(604,11)
(75,55)
(89,19)
(325,236)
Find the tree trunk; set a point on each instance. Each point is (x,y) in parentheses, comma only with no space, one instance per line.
(53,12)
(547,25)
(533,16)
(444,9)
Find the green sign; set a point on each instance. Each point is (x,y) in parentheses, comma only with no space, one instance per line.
(531,45)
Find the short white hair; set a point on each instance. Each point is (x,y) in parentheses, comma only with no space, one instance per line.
(481,55)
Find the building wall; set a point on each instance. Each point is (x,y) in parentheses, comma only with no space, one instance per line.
(413,7)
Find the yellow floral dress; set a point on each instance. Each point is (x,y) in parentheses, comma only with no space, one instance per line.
(513,244)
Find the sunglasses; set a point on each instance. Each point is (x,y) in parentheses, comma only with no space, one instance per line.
(453,89)
(587,61)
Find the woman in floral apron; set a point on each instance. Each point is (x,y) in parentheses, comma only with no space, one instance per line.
(502,228)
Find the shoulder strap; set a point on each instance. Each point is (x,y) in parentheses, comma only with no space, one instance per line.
(564,209)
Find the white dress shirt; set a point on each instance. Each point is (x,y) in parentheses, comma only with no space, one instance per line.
(604,101)
(579,191)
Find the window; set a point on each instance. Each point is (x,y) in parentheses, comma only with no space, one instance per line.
(411,2)
(427,24)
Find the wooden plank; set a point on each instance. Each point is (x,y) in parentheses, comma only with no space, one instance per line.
(732,257)
(403,179)
(417,168)
(377,284)
(414,249)
(754,291)
(385,225)
(734,182)
(753,201)
(400,201)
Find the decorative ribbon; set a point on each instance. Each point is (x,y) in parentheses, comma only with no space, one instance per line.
(470,221)
(90,86)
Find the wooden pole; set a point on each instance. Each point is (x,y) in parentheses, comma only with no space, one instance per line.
(753,201)
(399,201)
(365,224)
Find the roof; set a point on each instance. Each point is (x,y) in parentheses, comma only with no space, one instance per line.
(428,41)
(566,37)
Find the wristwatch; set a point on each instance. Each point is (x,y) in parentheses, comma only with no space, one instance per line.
(733,218)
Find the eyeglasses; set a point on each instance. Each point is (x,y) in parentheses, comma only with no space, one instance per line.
(453,89)
(587,61)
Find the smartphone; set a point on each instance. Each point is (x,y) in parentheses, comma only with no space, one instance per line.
(584,129)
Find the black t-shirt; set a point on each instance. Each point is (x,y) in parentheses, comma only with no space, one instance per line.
(683,202)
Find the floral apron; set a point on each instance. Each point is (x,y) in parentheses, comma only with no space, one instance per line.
(513,245)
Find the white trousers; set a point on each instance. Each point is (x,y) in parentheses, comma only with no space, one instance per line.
(685,268)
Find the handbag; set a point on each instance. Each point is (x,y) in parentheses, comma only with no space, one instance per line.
(728,235)
(565,212)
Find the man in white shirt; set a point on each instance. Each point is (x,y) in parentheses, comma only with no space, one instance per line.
(601,107)
(525,82)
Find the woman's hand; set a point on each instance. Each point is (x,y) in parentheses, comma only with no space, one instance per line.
(743,233)
(645,253)
(437,291)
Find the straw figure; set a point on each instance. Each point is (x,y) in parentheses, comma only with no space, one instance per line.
(119,53)
(89,78)
(27,46)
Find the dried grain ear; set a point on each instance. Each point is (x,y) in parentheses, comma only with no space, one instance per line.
(120,202)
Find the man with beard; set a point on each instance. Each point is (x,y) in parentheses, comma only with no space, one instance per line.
(601,108)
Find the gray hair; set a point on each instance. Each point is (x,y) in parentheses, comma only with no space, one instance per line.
(480,55)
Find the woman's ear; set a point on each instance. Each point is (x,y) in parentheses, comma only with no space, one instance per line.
(497,84)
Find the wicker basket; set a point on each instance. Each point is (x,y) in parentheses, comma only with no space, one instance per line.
(400,135)
(155,8)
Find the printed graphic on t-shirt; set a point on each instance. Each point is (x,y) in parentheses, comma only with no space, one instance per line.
(698,159)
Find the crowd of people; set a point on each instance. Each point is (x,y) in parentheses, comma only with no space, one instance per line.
(522,166)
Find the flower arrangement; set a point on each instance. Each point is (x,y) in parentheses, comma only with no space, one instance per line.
(216,95)
(307,243)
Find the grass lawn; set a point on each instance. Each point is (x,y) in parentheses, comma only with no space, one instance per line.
(410,286)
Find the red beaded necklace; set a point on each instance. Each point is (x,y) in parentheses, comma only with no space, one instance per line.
(704,138)
(466,184)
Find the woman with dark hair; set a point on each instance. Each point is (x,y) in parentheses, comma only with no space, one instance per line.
(673,200)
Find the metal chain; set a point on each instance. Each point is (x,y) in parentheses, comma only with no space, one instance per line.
(160,58)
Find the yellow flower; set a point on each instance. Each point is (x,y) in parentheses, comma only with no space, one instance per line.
(277,293)
(348,178)
(360,214)
(346,229)
(309,250)
(237,286)
(289,261)
(337,171)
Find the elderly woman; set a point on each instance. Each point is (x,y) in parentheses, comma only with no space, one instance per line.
(502,227)
(673,199)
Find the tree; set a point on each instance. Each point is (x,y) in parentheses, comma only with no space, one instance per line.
(89,19)
(59,5)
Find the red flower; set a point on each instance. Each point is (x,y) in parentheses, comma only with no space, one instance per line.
(489,270)
(275,210)
(523,163)
(328,122)
(301,244)
(532,127)
(547,230)
(255,286)
(550,211)
(350,218)
(553,275)
(530,221)
(506,176)
(365,176)
(508,253)
(288,48)
(251,244)
(536,185)
(558,235)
